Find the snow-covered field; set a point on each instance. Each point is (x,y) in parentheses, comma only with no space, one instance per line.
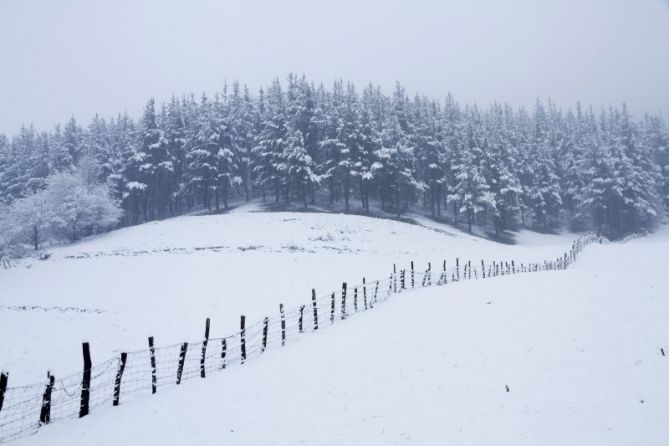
(579,349)
(163,279)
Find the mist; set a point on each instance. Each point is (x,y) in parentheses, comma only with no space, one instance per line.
(80,58)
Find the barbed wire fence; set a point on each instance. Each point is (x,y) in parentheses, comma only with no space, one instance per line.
(24,409)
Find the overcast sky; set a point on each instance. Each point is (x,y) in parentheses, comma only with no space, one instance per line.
(79,57)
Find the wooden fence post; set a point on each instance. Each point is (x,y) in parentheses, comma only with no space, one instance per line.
(412,275)
(224,351)
(394,278)
(364,292)
(343,300)
(45,412)
(300,321)
(482,269)
(204,349)
(242,334)
(313,304)
(154,375)
(332,308)
(265,329)
(355,299)
(182,361)
(513,267)
(283,325)
(4,377)
(402,273)
(85,381)
(457,268)
(469,269)
(119,376)
(376,292)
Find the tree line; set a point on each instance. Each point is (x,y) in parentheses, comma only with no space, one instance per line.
(500,167)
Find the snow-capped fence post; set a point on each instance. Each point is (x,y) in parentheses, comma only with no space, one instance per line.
(224,351)
(204,349)
(343,300)
(242,335)
(182,361)
(85,381)
(300,320)
(45,411)
(364,292)
(119,376)
(4,377)
(265,328)
(332,308)
(154,375)
(412,275)
(283,325)
(315,307)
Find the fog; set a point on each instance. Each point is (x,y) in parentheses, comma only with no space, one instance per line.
(81,57)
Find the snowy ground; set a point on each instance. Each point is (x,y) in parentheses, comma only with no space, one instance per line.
(579,351)
(164,278)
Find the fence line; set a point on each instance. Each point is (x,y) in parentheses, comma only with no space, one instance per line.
(24,409)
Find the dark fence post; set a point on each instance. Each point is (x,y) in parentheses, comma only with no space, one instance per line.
(457,268)
(204,349)
(301,320)
(4,377)
(332,308)
(394,278)
(182,361)
(402,279)
(45,413)
(482,269)
(376,292)
(313,303)
(119,376)
(355,299)
(265,329)
(364,292)
(343,300)
(412,275)
(224,351)
(242,334)
(154,375)
(85,381)
(283,325)
(469,269)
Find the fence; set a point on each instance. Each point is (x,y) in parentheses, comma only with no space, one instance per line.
(24,409)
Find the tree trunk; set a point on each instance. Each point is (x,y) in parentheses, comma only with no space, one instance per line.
(36,237)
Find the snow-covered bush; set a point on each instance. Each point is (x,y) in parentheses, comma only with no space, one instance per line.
(79,208)
(68,207)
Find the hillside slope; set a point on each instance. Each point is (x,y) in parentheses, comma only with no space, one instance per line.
(164,278)
(579,351)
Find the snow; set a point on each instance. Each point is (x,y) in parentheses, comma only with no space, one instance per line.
(163,279)
(579,349)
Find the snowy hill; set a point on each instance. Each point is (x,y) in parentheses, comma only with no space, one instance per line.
(164,278)
(579,350)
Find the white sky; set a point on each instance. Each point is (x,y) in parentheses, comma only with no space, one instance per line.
(65,57)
